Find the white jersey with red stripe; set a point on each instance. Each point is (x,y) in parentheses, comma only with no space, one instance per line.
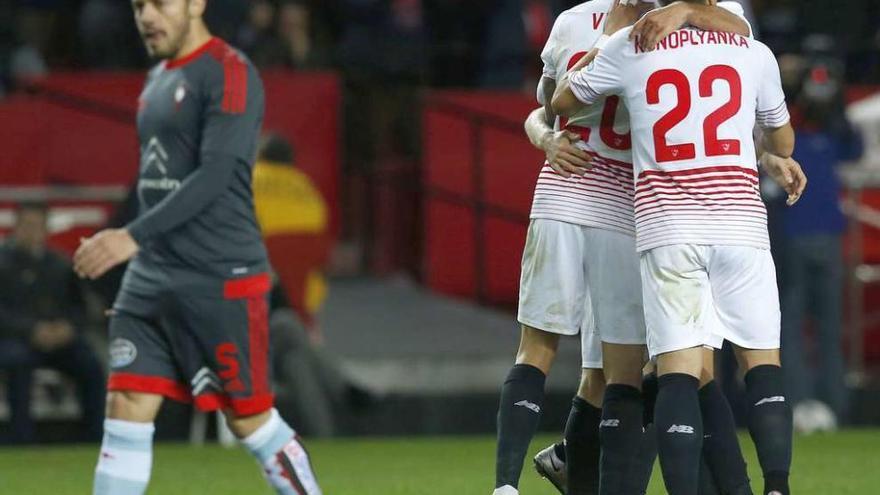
(693,103)
(603,198)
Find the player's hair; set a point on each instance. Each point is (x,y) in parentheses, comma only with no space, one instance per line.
(275,148)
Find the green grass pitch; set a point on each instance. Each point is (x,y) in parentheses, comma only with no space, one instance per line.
(838,464)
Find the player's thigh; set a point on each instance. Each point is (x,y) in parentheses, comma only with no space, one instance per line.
(552,286)
(223,348)
(746,296)
(615,287)
(142,369)
(677,298)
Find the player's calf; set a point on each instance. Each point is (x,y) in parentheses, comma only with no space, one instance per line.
(678,420)
(280,452)
(126,457)
(620,430)
(769,416)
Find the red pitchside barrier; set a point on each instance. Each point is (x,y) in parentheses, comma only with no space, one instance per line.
(479,173)
(79,129)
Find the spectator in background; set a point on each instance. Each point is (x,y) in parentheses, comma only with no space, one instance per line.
(293,218)
(107,35)
(42,312)
(812,263)
(259,36)
(295,32)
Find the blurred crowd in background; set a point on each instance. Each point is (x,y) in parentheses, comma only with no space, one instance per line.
(386,52)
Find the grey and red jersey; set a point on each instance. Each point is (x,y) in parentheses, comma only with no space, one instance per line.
(198,122)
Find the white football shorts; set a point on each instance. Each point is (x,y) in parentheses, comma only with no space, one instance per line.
(697,295)
(582,279)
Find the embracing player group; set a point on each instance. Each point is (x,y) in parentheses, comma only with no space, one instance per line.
(648,238)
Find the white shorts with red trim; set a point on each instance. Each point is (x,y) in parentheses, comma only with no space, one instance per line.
(581,279)
(698,295)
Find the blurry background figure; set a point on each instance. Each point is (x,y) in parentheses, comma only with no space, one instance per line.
(106,31)
(293,218)
(259,37)
(295,32)
(42,314)
(811,255)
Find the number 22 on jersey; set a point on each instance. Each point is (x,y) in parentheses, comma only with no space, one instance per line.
(665,152)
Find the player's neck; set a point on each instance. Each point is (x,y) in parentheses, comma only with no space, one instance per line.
(198,36)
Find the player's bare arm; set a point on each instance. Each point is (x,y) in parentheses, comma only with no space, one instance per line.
(778,144)
(564,157)
(659,23)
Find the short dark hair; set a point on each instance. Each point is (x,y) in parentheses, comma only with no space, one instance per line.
(275,148)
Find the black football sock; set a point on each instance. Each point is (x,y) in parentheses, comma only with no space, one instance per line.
(644,461)
(582,448)
(649,396)
(559,448)
(519,410)
(707,481)
(620,433)
(679,432)
(643,466)
(770,425)
(721,449)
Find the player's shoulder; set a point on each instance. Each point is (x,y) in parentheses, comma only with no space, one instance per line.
(221,58)
(577,13)
(733,7)
(619,41)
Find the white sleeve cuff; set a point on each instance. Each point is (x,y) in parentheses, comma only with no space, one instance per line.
(581,88)
(773,118)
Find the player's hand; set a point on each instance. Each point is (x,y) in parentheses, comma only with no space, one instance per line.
(659,23)
(788,174)
(101,252)
(563,156)
(621,16)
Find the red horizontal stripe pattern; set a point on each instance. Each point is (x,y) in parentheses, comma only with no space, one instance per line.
(706,205)
(602,198)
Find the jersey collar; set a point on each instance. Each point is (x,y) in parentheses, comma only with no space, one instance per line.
(180,62)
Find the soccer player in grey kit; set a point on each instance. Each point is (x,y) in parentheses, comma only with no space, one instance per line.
(190,320)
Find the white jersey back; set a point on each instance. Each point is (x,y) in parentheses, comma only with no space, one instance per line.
(692,104)
(604,197)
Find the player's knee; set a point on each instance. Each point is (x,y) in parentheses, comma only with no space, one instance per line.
(133,406)
(684,361)
(751,358)
(623,364)
(592,386)
(244,426)
(537,348)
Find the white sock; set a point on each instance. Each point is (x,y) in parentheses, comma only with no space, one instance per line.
(285,461)
(506,490)
(126,458)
